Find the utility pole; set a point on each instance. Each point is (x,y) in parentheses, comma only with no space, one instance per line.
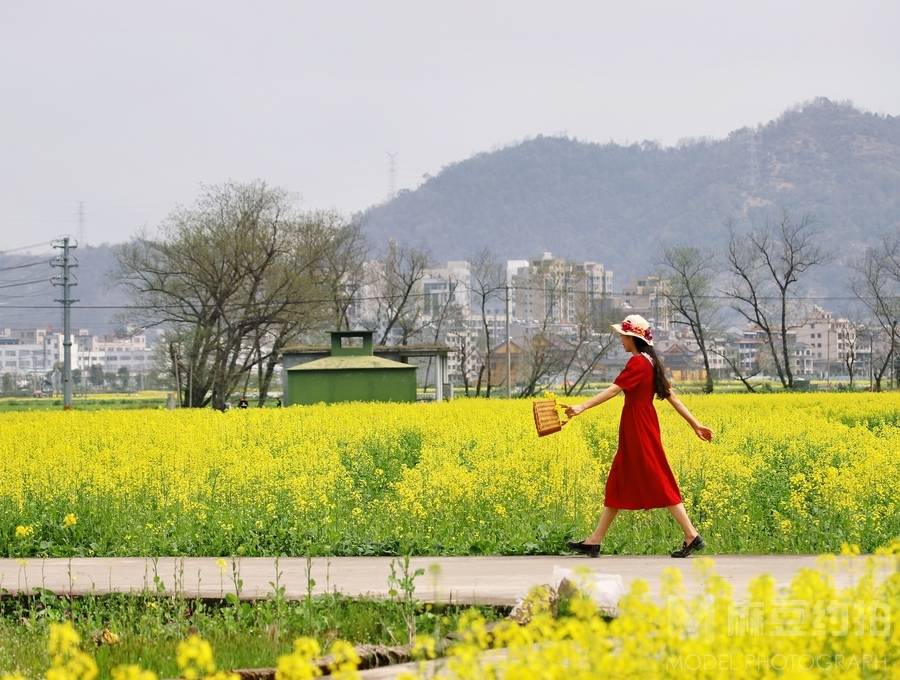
(508,349)
(66,279)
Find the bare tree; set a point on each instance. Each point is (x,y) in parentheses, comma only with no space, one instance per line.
(466,351)
(850,352)
(734,363)
(488,279)
(447,310)
(689,292)
(229,277)
(404,267)
(877,285)
(541,359)
(772,258)
(302,294)
(593,340)
(342,268)
(890,244)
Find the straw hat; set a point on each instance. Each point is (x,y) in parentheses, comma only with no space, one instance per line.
(636,325)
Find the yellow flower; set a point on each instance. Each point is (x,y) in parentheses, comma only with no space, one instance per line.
(195,658)
(63,639)
(448,474)
(67,661)
(298,665)
(344,661)
(424,647)
(70,520)
(131,672)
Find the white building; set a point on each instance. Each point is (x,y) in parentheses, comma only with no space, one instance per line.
(116,352)
(827,341)
(559,290)
(39,351)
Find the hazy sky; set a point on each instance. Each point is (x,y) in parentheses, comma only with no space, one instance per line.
(130,106)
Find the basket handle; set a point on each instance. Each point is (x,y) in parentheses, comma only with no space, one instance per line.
(563,423)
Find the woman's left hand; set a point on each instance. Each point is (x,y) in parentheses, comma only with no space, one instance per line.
(704,432)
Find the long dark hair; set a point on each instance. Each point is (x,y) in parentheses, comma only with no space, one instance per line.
(661,384)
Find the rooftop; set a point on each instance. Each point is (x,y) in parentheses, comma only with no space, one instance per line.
(335,363)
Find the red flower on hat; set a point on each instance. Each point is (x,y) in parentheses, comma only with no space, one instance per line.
(643,332)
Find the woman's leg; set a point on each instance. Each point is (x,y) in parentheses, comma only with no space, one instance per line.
(606,518)
(680,515)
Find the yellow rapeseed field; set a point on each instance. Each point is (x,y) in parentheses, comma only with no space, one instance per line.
(785,473)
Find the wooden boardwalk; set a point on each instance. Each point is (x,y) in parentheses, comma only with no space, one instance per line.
(463,580)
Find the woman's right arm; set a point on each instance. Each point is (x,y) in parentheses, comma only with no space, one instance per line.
(596,400)
(702,431)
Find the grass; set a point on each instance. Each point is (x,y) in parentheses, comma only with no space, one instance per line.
(149,626)
(86,402)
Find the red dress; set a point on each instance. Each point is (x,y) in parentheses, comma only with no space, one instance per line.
(640,477)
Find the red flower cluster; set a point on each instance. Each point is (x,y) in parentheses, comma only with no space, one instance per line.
(643,332)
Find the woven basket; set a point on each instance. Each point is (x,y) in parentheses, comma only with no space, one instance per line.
(546,417)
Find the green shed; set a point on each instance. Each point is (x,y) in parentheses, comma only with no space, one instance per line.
(351,373)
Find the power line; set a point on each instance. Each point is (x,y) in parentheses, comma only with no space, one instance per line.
(415,295)
(22,283)
(25,266)
(21,248)
(465,287)
(35,294)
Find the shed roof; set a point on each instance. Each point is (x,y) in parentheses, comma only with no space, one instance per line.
(344,362)
(405,350)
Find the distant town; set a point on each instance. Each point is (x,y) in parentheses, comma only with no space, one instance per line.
(568,304)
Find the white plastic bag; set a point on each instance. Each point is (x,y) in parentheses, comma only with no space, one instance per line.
(604,589)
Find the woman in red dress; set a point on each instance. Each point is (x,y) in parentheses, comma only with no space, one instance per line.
(640,477)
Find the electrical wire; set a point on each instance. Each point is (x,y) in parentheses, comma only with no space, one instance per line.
(30,296)
(416,295)
(25,266)
(15,284)
(21,248)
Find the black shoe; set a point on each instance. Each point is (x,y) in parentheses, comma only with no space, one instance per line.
(687,548)
(589,549)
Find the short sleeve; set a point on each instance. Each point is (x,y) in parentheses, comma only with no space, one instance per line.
(631,375)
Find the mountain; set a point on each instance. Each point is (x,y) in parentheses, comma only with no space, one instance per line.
(34,305)
(604,202)
(617,204)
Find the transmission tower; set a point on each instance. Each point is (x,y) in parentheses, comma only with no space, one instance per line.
(66,262)
(81,238)
(392,174)
(752,161)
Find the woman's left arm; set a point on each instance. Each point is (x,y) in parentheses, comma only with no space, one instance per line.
(702,431)
(596,400)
